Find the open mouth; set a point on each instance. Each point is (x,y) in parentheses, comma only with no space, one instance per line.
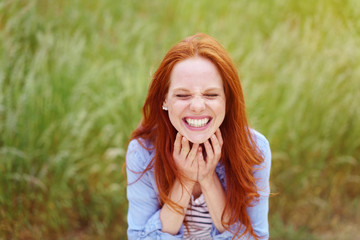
(197,122)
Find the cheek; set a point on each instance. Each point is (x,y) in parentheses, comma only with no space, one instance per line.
(219,108)
(220,118)
(176,107)
(220,113)
(175,112)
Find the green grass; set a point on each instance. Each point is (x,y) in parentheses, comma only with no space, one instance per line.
(74,75)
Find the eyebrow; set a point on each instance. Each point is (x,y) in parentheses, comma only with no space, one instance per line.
(206,90)
(181,89)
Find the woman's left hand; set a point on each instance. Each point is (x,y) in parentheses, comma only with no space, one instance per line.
(206,169)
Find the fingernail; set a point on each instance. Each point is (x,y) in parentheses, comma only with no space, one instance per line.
(213,136)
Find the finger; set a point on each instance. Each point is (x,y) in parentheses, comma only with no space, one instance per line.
(192,154)
(200,158)
(177,144)
(216,145)
(185,148)
(219,137)
(209,150)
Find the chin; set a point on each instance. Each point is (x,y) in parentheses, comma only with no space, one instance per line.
(197,139)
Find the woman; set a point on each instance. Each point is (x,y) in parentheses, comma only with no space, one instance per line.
(195,168)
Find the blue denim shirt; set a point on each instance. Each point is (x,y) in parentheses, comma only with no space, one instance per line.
(144,205)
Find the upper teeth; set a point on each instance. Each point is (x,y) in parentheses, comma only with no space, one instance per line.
(197,122)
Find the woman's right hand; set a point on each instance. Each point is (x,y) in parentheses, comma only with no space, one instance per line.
(185,158)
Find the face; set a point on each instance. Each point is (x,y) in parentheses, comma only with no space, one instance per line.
(196,99)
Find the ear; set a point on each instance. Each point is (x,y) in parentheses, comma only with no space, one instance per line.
(165,105)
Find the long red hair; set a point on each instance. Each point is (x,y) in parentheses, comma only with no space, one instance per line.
(239,152)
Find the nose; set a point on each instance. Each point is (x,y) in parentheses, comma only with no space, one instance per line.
(197,104)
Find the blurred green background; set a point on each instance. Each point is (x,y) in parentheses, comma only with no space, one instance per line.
(74,75)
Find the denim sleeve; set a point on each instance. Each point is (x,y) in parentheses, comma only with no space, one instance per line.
(228,235)
(258,212)
(144,208)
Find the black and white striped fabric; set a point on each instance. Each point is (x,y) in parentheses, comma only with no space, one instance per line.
(199,220)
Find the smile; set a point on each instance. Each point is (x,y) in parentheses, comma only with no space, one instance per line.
(198,123)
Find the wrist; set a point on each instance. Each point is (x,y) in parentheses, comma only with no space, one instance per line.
(208,182)
(187,186)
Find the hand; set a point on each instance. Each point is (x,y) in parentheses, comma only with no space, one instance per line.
(185,158)
(206,171)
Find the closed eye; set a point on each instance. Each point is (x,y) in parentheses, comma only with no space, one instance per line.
(182,95)
(211,95)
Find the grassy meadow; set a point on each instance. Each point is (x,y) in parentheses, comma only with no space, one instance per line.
(74,76)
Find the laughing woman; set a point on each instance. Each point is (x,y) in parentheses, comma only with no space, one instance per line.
(195,168)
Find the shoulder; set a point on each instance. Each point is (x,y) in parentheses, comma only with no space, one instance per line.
(263,147)
(261,142)
(139,154)
(262,171)
(259,138)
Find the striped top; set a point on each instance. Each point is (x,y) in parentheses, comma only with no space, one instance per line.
(198,218)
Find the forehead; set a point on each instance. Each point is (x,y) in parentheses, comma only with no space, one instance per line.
(195,72)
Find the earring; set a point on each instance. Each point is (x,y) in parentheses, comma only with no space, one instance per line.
(164,108)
